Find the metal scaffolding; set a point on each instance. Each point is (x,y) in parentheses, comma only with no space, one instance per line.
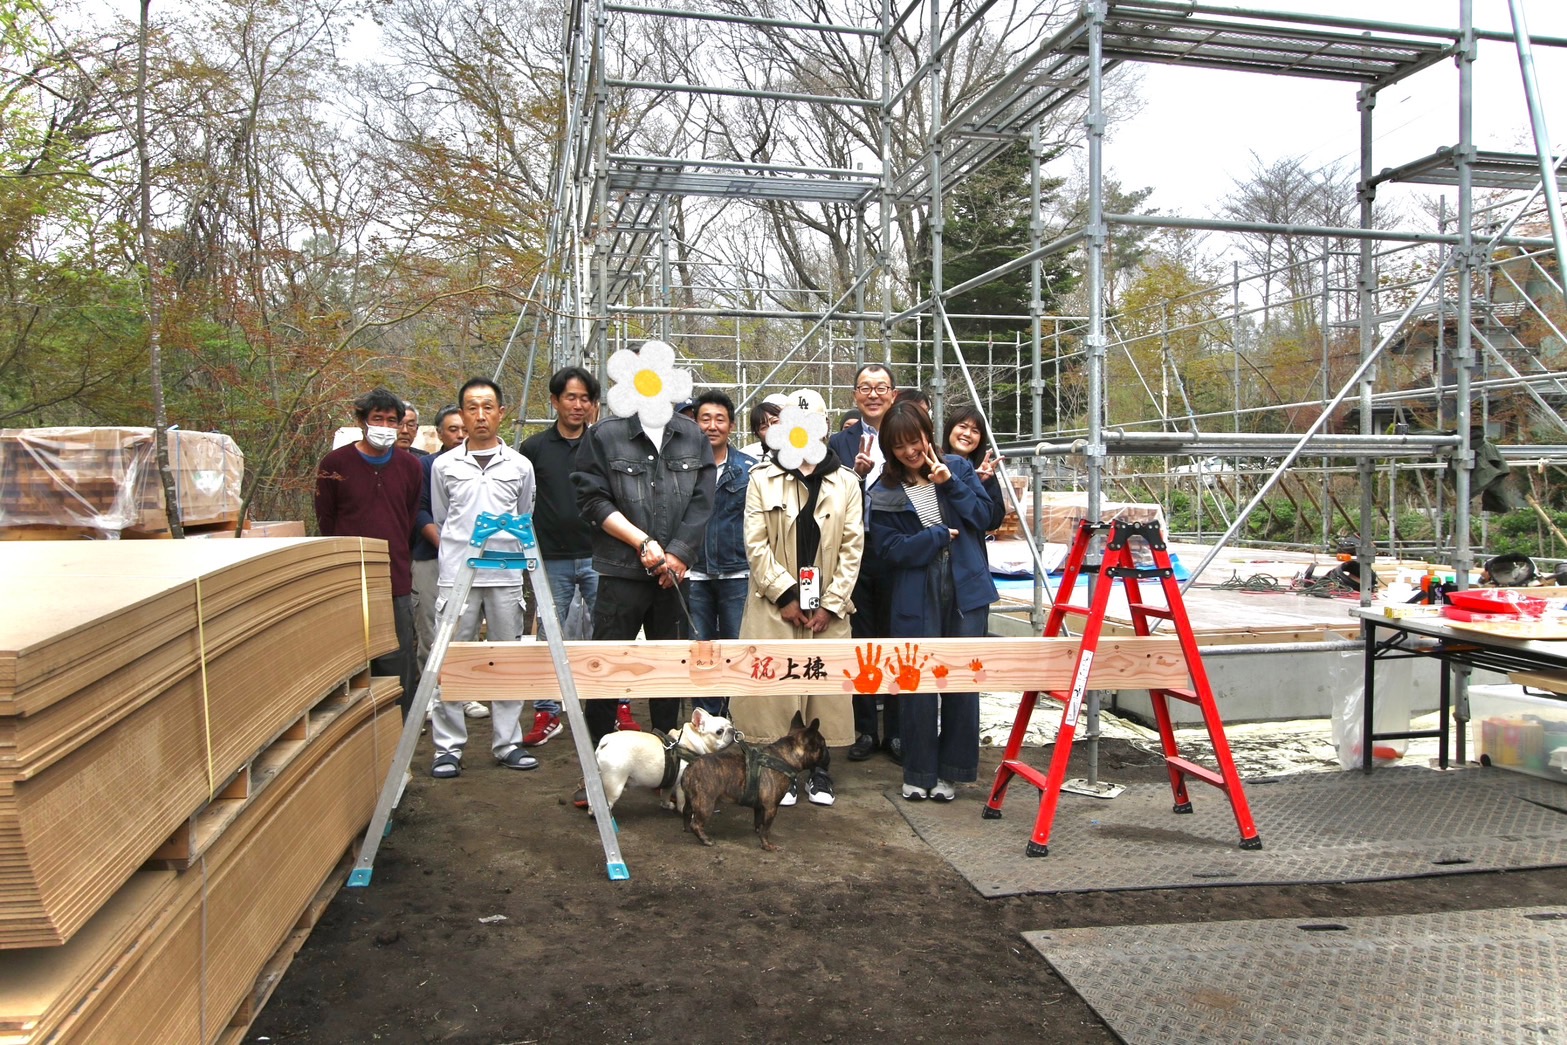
(619,268)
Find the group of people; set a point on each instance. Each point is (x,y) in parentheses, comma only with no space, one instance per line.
(876,531)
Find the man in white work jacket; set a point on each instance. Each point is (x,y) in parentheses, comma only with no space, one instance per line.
(483,474)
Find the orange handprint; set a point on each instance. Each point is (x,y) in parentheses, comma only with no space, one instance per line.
(977,666)
(939,672)
(870,675)
(907,664)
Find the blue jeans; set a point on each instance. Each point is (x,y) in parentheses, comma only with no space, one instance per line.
(941,730)
(716,608)
(569,577)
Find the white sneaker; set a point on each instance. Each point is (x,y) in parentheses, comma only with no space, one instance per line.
(793,796)
(474,709)
(944,791)
(914,794)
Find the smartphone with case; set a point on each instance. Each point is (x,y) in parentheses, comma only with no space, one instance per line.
(810,588)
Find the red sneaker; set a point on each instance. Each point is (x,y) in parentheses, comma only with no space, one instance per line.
(623,720)
(545,725)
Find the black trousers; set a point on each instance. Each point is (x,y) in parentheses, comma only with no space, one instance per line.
(623,608)
(872,619)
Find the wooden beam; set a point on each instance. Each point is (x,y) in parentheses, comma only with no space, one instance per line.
(606,670)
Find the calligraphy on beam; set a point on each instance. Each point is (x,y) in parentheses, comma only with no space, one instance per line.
(603,670)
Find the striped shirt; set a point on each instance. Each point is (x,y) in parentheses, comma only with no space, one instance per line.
(926,505)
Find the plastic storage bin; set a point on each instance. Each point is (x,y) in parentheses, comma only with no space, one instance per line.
(1520,731)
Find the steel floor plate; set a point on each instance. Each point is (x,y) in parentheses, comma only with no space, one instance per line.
(1315,827)
(1469,976)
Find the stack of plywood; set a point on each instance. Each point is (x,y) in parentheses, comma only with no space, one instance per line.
(105,480)
(202,707)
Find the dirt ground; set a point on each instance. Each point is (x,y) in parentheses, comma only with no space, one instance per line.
(854,932)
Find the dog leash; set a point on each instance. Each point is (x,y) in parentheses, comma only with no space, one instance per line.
(684,610)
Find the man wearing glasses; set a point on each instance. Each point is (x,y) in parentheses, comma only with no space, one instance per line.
(859,447)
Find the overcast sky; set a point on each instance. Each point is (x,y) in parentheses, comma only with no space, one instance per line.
(1198,127)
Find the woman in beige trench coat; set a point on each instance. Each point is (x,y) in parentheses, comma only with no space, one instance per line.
(774,501)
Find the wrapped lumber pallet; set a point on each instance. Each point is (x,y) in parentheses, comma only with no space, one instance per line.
(1059,513)
(140,686)
(104,481)
(181,957)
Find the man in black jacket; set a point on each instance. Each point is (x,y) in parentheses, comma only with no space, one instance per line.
(647,494)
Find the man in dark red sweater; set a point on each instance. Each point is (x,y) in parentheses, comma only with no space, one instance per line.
(371,489)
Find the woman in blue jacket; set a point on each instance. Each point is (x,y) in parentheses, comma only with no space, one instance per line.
(927,520)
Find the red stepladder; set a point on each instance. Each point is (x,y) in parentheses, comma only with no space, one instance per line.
(1118,563)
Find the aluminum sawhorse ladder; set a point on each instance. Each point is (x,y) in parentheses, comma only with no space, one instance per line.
(1119,564)
(487,526)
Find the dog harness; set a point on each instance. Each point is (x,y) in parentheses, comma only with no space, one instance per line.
(756,760)
(674,754)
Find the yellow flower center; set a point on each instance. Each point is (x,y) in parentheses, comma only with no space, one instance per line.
(648,383)
(798,437)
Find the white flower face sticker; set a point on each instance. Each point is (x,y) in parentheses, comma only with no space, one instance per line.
(799,437)
(647,383)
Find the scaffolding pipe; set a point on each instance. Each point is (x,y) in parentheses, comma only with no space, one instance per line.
(1315,231)
(742,92)
(1256,444)
(716,16)
(1542,138)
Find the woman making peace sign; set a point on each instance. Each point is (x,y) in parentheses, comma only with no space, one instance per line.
(927,520)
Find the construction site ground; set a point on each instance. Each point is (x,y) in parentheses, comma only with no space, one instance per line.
(491,918)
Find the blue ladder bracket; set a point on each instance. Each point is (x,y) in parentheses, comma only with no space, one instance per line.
(519,526)
(359,878)
(619,873)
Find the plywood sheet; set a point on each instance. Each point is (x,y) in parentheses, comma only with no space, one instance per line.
(98,606)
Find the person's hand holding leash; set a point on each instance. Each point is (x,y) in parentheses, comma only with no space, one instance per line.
(651,555)
(673,572)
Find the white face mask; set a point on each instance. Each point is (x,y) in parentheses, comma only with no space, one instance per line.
(380,438)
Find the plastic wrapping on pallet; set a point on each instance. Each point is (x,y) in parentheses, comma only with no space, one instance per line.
(106,479)
(1059,512)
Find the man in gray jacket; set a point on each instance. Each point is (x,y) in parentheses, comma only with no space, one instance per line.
(647,492)
(481,475)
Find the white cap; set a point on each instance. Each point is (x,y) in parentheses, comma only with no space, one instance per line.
(780,399)
(809,399)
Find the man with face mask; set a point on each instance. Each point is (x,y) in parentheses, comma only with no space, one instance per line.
(370,488)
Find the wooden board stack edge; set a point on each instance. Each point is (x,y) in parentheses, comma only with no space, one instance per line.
(236,645)
(190,956)
(102,606)
(72,832)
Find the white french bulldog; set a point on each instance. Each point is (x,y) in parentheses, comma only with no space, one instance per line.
(640,759)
